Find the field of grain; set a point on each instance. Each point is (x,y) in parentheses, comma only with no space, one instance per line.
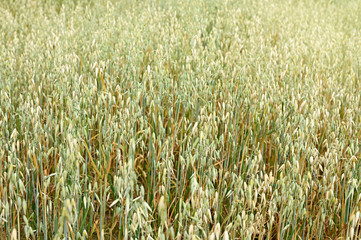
(194,119)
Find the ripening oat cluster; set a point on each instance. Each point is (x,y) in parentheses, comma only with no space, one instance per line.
(194,119)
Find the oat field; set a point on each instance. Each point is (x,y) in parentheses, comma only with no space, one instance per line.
(193,119)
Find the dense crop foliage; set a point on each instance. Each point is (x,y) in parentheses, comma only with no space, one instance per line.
(194,119)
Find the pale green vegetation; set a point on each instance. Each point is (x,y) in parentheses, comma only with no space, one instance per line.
(194,119)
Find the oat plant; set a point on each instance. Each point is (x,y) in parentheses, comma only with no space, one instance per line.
(194,119)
